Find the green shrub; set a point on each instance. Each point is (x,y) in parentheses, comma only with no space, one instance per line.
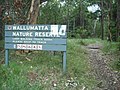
(116,65)
(79,32)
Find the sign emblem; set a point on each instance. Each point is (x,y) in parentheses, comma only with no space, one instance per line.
(9,27)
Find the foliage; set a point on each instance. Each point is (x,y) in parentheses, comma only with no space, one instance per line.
(116,65)
(73,13)
(86,42)
(79,32)
(112,49)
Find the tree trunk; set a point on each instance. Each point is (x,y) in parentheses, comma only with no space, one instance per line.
(81,15)
(68,18)
(33,13)
(109,20)
(73,24)
(0,22)
(102,21)
(94,28)
(118,19)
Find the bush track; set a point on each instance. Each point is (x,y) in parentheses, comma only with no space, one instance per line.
(107,78)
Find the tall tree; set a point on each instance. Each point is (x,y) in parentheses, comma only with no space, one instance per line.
(102,21)
(81,13)
(33,13)
(109,6)
(118,18)
(1,10)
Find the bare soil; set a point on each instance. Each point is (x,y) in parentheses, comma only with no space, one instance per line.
(106,77)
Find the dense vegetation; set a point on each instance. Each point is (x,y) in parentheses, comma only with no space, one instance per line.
(103,22)
(82,26)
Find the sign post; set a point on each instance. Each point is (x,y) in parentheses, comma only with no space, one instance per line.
(36,37)
(6,56)
(64,61)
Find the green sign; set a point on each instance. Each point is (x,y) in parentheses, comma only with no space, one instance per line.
(36,37)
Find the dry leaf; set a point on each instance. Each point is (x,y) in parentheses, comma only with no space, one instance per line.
(27,59)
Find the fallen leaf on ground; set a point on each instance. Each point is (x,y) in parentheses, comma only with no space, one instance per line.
(27,59)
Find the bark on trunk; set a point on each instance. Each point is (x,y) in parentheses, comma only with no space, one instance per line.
(102,21)
(0,22)
(81,16)
(109,19)
(33,13)
(118,19)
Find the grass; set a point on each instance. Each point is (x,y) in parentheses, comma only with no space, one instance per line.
(109,48)
(86,42)
(112,49)
(41,70)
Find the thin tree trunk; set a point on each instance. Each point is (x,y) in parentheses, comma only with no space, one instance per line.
(102,21)
(109,19)
(81,15)
(94,28)
(68,21)
(109,31)
(118,19)
(74,24)
(0,22)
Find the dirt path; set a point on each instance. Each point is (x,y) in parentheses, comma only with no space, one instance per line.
(108,80)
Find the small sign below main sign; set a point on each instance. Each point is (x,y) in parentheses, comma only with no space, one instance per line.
(28,46)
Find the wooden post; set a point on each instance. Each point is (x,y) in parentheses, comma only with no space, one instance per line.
(64,61)
(6,56)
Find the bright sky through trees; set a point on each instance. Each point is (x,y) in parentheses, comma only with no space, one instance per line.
(93,8)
